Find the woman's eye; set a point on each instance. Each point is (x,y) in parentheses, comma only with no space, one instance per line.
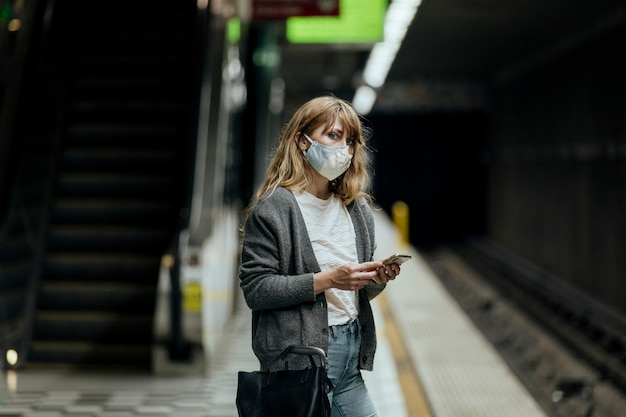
(333,136)
(350,142)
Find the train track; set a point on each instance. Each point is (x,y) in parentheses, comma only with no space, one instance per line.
(569,351)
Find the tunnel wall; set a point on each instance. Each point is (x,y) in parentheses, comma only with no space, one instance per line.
(433,162)
(557,180)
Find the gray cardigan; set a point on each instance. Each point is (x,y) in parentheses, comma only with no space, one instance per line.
(276,276)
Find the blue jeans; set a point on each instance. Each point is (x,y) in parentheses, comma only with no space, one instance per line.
(349,398)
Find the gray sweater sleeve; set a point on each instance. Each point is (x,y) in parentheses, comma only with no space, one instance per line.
(273,259)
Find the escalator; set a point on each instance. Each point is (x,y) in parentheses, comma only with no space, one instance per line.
(122,175)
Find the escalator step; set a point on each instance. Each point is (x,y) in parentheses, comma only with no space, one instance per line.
(122,134)
(130,88)
(114,267)
(114,185)
(106,238)
(120,211)
(82,355)
(112,111)
(121,160)
(102,296)
(93,326)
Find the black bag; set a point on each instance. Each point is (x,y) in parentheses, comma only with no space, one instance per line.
(286,393)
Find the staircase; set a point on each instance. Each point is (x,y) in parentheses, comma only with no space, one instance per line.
(121,181)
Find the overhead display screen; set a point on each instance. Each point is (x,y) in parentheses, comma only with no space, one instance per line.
(358,22)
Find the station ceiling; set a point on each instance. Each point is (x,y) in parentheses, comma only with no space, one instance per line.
(489,41)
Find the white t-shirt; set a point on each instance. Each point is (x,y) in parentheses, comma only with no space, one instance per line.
(330,228)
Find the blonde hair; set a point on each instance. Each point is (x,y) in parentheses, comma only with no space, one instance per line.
(288,165)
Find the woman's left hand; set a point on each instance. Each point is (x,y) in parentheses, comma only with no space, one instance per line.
(387,273)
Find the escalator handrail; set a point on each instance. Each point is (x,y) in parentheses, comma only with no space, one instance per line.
(178,346)
(35,229)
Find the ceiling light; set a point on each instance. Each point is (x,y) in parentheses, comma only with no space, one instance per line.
(364,99)
(397,21)
(12,357)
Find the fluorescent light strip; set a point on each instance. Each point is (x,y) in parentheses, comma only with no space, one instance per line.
(364,99)
(397,21)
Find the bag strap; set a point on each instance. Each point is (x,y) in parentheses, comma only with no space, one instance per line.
(310,351)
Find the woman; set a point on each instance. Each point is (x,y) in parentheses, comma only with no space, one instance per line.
(307,271)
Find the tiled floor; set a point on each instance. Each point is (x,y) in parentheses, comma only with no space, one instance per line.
(57,394)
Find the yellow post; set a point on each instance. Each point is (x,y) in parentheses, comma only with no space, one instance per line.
(400,215)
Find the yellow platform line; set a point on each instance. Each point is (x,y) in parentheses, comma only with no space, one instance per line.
(416,402)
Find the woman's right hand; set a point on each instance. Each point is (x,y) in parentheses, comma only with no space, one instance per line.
(347,277)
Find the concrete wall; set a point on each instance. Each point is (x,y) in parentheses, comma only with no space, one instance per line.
(557,189)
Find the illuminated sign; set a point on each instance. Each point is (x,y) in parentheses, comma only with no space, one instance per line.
(282,9)
(359,21)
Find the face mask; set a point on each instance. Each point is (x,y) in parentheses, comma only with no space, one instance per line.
(330,161)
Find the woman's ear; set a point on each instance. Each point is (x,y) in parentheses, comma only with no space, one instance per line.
(301,141)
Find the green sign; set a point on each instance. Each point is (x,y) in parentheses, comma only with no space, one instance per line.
(233,30)
(359,21)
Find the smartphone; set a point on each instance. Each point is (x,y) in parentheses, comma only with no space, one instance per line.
(396,258)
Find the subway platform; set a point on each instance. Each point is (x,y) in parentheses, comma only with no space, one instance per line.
(431,361)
